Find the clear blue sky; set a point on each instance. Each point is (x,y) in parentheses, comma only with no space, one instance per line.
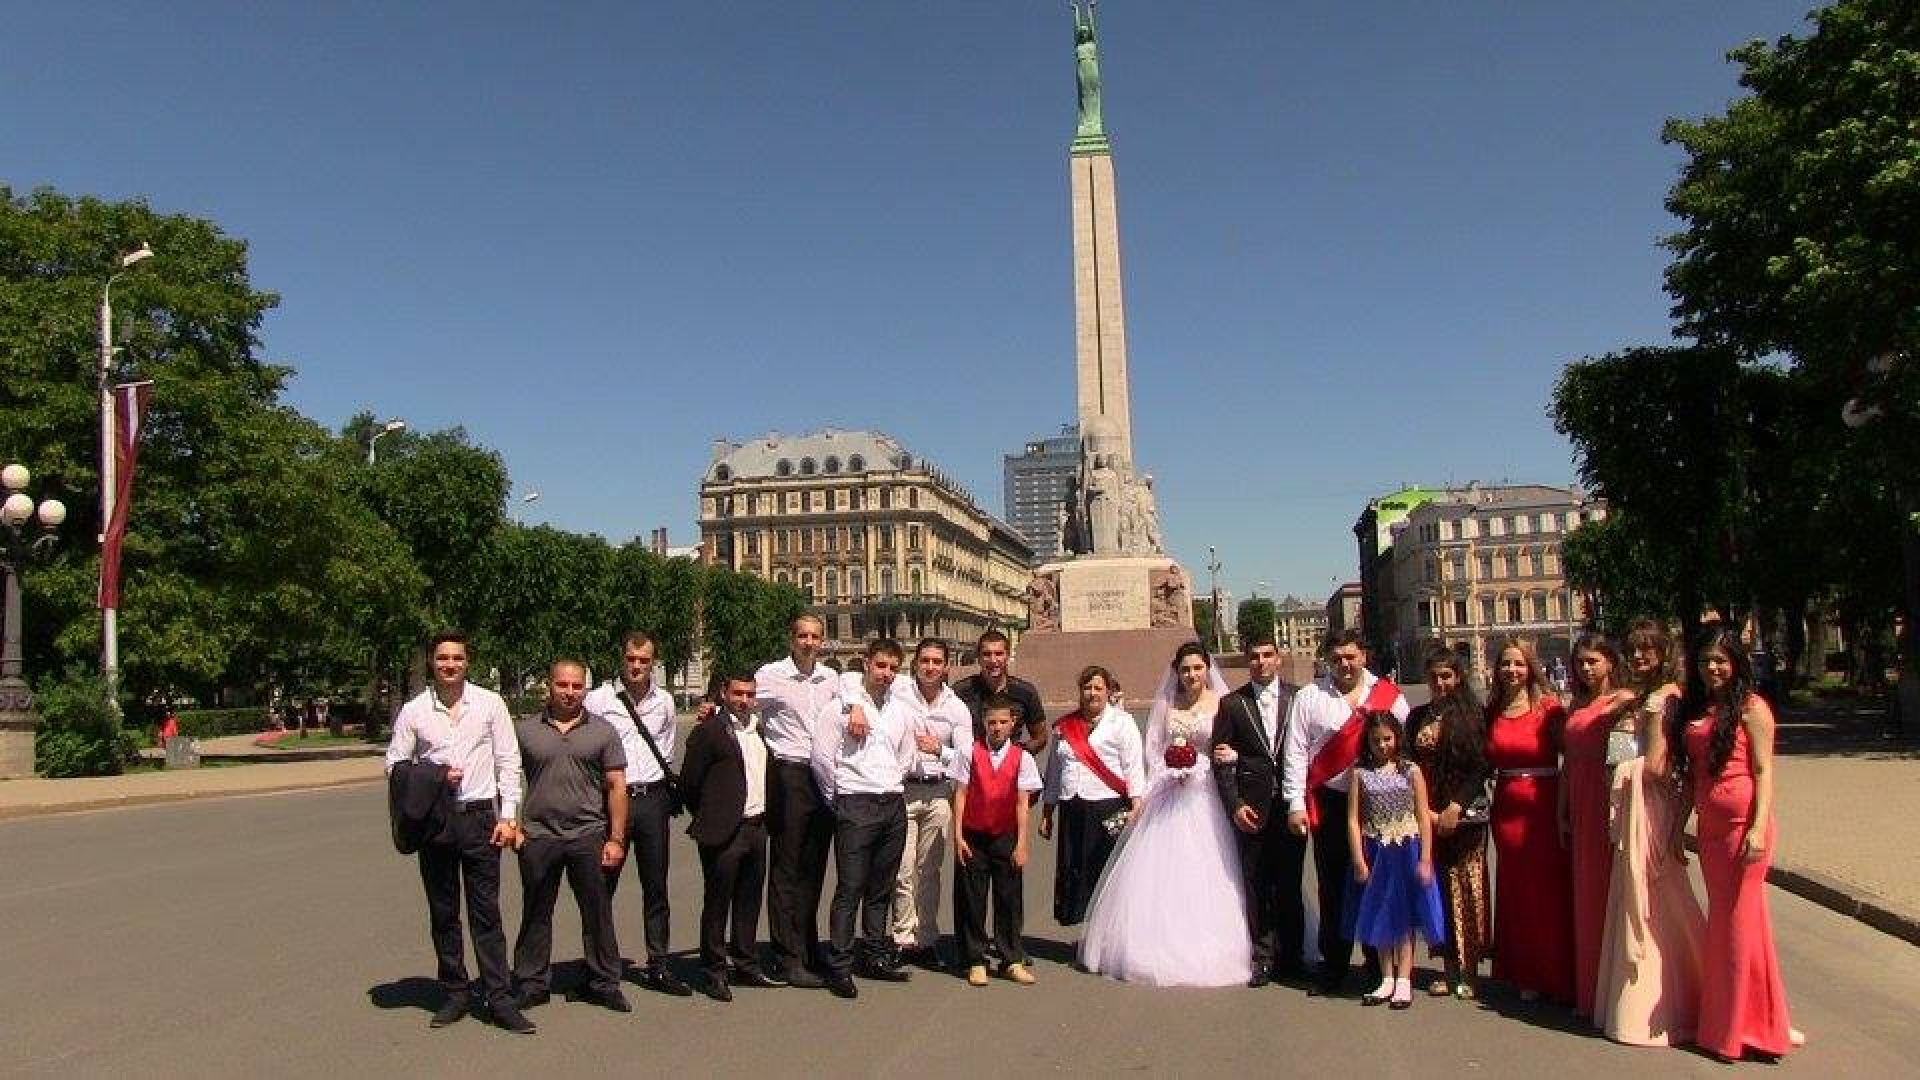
(1360,239)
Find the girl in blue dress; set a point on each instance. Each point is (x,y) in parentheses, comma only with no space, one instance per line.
(1391,894)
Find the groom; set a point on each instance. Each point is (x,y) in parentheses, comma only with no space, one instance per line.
(1247,731)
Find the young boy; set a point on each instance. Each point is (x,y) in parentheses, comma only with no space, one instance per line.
(992,781)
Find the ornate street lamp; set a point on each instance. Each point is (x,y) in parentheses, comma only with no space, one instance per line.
(18,544)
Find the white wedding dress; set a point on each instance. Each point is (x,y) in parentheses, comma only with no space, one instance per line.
(1170,909)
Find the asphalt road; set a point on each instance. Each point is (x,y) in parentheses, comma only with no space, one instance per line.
(281,935)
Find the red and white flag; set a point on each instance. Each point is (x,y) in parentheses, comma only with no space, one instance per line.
(129,412)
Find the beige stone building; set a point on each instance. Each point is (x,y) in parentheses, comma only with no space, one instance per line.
(1472,566)
(884,542)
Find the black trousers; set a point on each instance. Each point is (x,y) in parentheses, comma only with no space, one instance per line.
(800,835)
(542,862)
(733,874)
(990,878)
(1332,865)
(870,834)
(1272,865)
(467,857)
(1085,845)
(647,844)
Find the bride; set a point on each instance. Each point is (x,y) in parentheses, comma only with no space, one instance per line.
(1170,909)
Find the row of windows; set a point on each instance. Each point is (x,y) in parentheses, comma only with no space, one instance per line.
(1512,609)
(827,541)
(855,591)
(807,466)
(1468,528)
(815,501)
(1518,562)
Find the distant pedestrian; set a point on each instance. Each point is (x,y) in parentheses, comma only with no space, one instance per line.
(466,728)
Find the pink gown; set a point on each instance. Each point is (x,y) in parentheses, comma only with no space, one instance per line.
(1533,879)
(1584,747)
(1743,1003)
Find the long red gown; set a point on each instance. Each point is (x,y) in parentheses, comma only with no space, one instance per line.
(1743,1002)
(1533,879)
(1588,798)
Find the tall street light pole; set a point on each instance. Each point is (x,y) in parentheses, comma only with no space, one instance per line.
(388,428)
(17,545)
(109,482)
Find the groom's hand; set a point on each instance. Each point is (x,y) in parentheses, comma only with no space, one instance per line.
(1246,819)
(1297,823)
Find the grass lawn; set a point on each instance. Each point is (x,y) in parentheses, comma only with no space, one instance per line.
(316,740)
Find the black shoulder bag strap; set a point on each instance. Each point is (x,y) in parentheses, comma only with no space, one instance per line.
(666,770)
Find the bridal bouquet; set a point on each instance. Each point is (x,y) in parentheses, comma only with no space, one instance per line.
(1180,754)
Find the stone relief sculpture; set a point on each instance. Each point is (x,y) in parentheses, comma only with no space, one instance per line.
(1172,597)
(1043,603)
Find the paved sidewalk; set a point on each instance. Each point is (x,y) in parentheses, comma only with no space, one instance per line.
(1848,802)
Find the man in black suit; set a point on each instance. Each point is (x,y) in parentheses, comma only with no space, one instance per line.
(724,783)
(1246,740)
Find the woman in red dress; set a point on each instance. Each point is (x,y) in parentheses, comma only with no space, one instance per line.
(1724,747)
(1599,702)
(1532,923)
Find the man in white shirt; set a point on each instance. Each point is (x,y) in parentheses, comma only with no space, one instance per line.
(941,726)
(860,761)
(1318,726)
(794,694)
(467,729)
(641,712)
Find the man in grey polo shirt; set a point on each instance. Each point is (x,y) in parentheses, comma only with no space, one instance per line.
(573,820)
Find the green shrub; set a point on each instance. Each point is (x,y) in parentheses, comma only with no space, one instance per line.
(76,736)
(212,723)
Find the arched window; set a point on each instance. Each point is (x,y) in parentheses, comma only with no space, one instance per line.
(833,464)
(806,584)
(916,581)
(856,463)
(886,581)
(783,467)
(857,583)
(807,467)
(780,576)
(722,473)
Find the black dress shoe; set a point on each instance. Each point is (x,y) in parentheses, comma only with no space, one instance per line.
(449,1013)
(657,977)
(1260,978)
(879,971)
(531,997)
(802,979)
(607,999)
(842,987)
(716,986)
(755,977)
(508,1017)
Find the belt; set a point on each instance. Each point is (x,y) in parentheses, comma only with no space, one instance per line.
(928,781)
(634,791)
(860,796)
(474,806)
(1511,774)
(757,819)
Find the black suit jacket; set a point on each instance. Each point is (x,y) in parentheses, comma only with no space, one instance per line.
(713,780)
(1255,777)
(419,804)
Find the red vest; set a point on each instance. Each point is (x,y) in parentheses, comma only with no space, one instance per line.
(993,794)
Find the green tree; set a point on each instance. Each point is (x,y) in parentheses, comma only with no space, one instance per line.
(746,619)
(540,594)
(661,596)
(1254,618)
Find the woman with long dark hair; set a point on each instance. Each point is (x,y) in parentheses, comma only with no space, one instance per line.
(1722,743)
(1532,901)
(1447,739)
(1599,703)
(1094,782)
(1647,986)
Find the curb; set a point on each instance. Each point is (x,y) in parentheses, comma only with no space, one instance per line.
(115,802)
(1838,897)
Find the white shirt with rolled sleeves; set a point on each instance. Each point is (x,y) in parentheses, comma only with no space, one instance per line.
(792,704)
(655,708)
(1319,710)
(1115,737)
(475,736)
(946,718)
(874,765)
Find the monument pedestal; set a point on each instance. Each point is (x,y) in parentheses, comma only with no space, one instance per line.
(1127,613)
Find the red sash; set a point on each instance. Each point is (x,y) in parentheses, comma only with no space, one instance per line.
(1338,754)
(1073,728)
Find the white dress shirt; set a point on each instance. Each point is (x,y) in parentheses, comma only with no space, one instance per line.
(655,708)
(874,765)
(1267,696)
(792,704)
(1029,772)
(946,718)
(1115,738)
(474,736)
(1319,711)
(753,757)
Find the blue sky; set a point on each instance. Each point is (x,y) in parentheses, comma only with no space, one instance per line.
(1361,240)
